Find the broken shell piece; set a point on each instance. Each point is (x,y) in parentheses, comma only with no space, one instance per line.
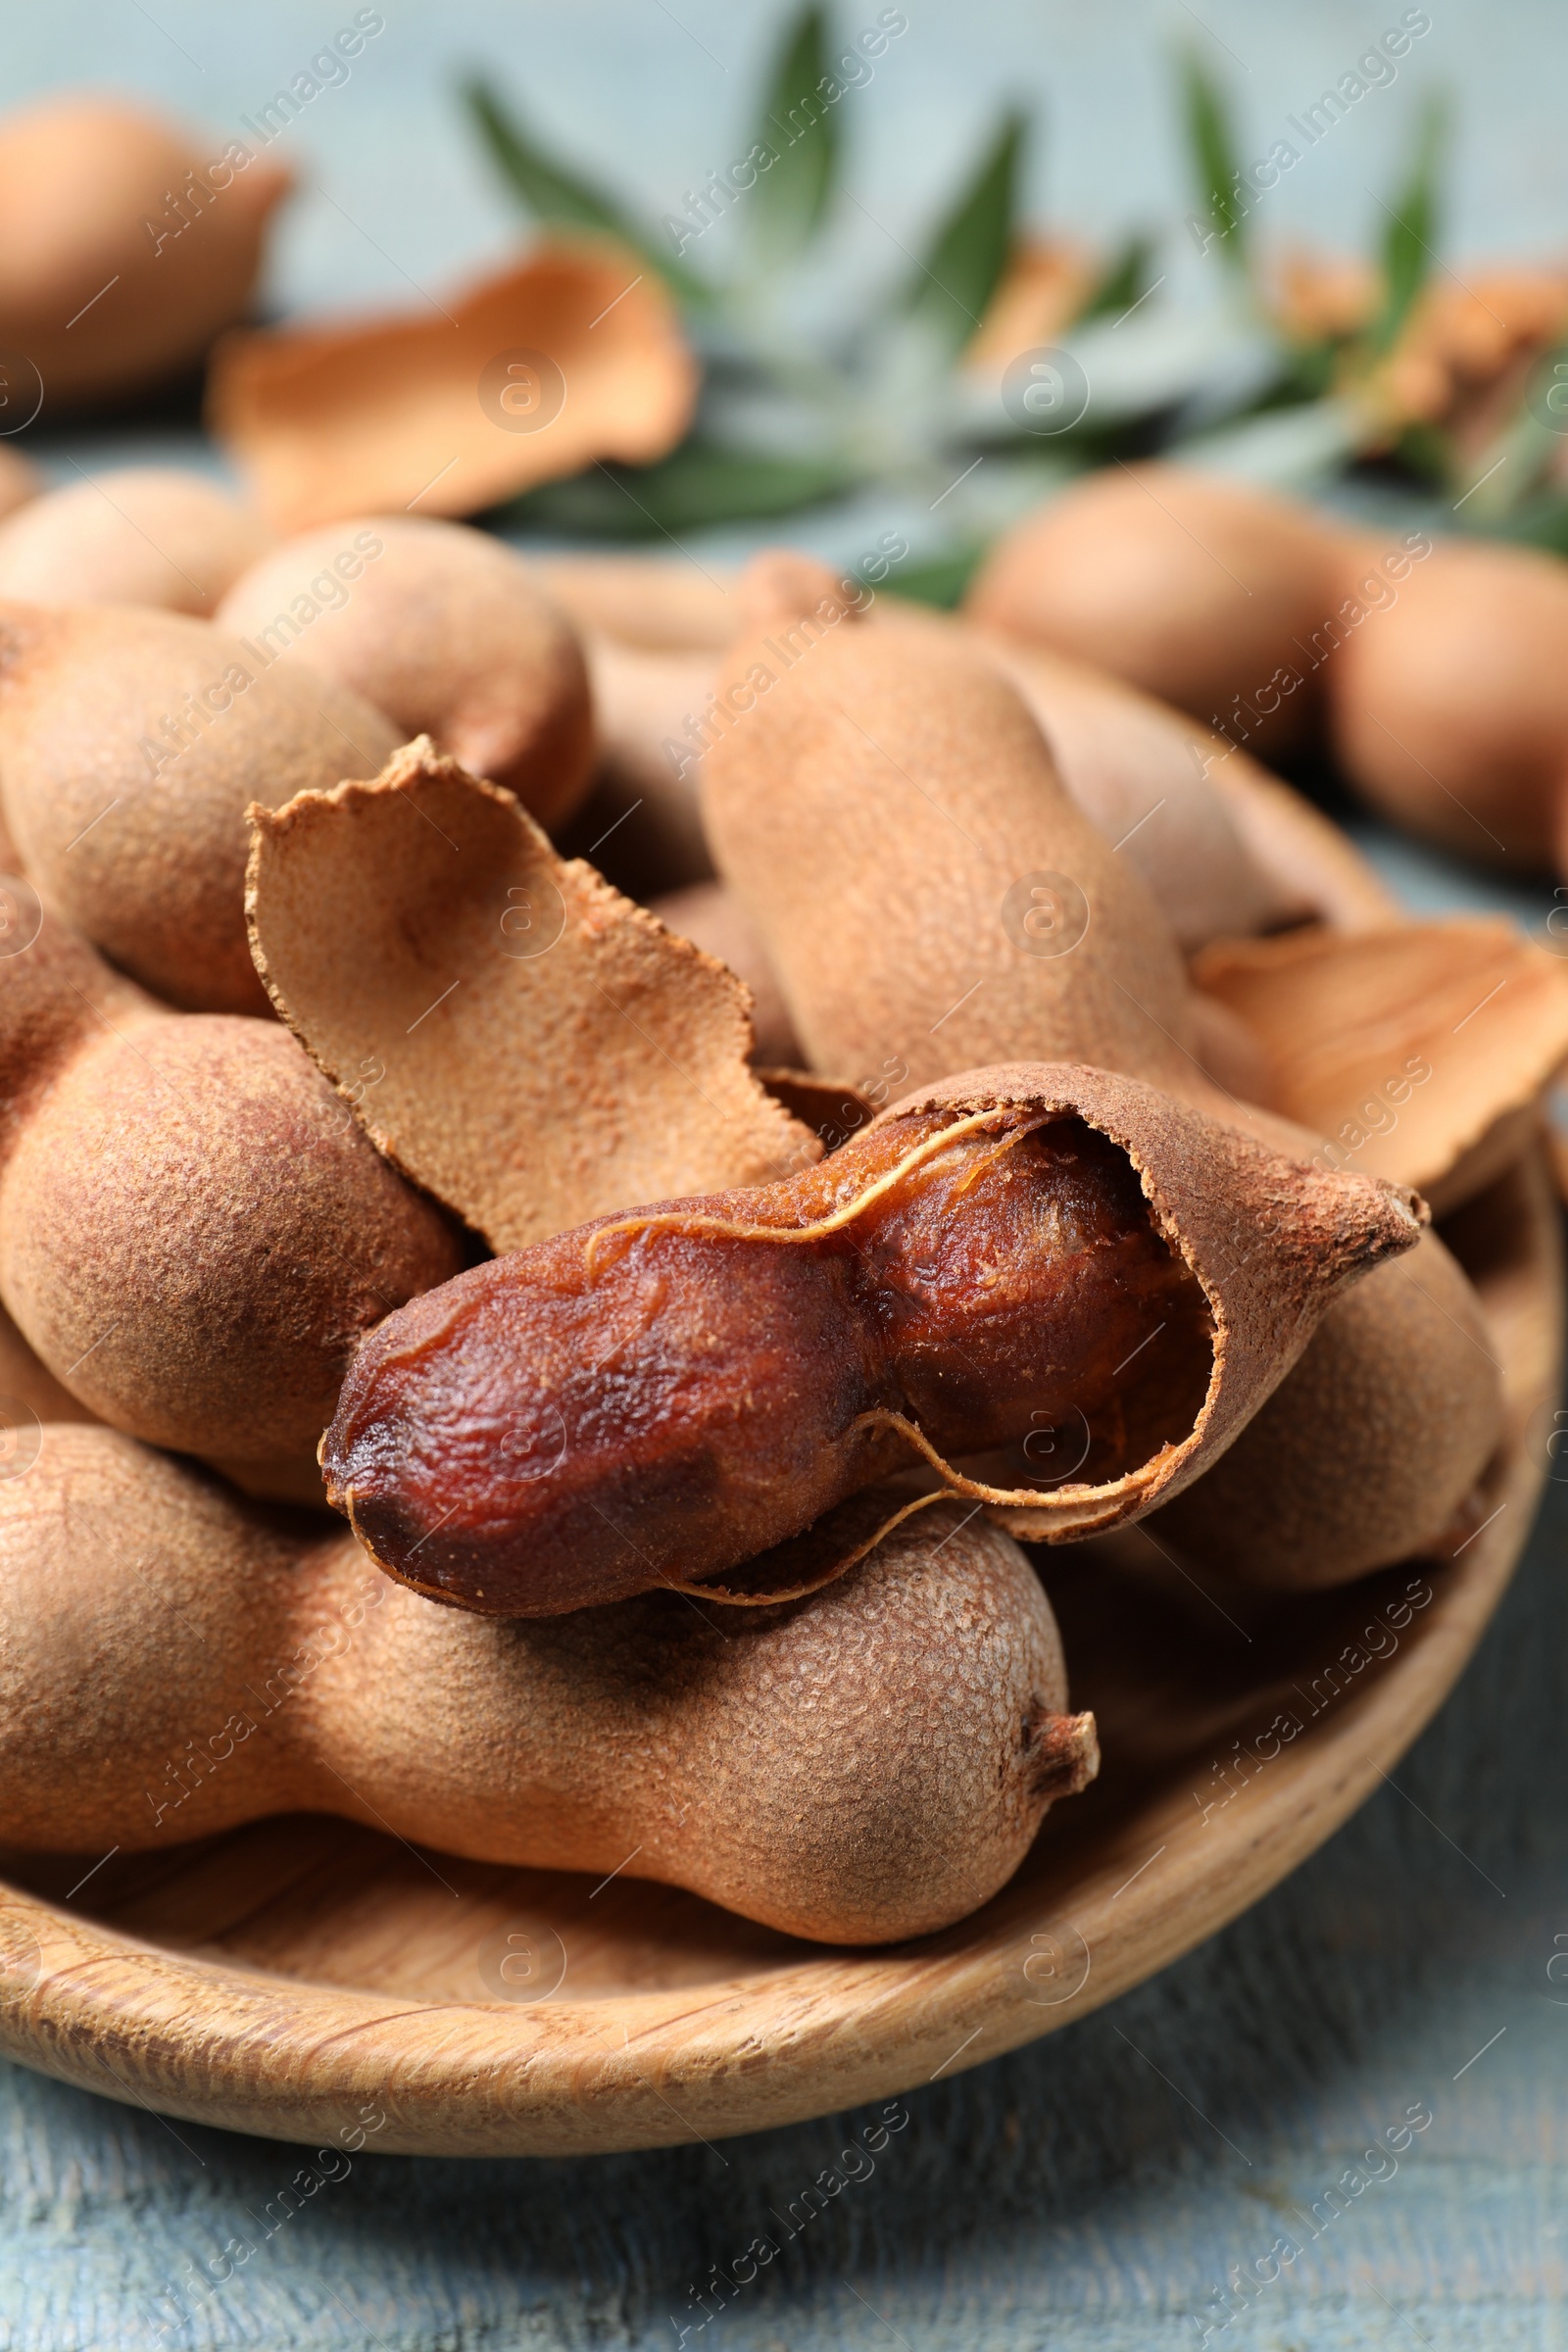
(444,629)
(133,743)
(1419,1053)
(713,918)
(571,355)
(125,247)
(1368,1452)
(522,1041)
(1007,1264)
(136,535)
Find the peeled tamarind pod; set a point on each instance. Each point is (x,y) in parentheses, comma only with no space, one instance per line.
(138,535)
(131,743)
(1037,1256)
(445,630)
(1369,1451)
(194,1229)
(1448,704)
(886,807)
(105,204)
(869,1766)
(1194,589)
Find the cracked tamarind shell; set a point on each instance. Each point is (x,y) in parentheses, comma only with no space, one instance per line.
(194,1232)
(995,1261)
(136,535)
(446,630)
(863,1767)
(138,842)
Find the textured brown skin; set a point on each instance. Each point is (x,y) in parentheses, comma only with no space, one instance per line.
(79,178)
(1367,1454)
(194,1230)
(866,1766)
(1448,707)
(136,535)
(713,918)
(448,632)
(1189,587)
(557,1428)
(873,807)
(151,865)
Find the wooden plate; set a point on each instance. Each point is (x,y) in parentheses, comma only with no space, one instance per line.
(307,1980)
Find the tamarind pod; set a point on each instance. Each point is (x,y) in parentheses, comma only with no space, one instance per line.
(922,883)
(868,1766)
(136,535)
(194,1230)
(444,629)
(1448,704)
(87,218)
(139,842)
(1194,589)
(1369,1451)
(1017,1252)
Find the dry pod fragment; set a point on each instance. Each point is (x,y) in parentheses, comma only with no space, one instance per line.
(1194,589)
(869,1766)
(1038,1257)
(571,355)
(1421,1052)
(444,629)
(136,535)
(1369,1451)
(131,743)
(123,248)
(193,1230)
(713,918)
(543,1049)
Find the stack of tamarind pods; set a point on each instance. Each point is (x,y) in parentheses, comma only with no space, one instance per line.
(228,1235)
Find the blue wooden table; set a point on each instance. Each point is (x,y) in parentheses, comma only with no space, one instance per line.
(1355,2096)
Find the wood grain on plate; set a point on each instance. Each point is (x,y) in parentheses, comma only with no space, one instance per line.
(284,1977)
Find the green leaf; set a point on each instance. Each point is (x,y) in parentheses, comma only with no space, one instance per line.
(940,580)
(697,486)
(1213,159)
(796,146)
(1410,231)
(966,259)
(1125,280)
(554,192)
